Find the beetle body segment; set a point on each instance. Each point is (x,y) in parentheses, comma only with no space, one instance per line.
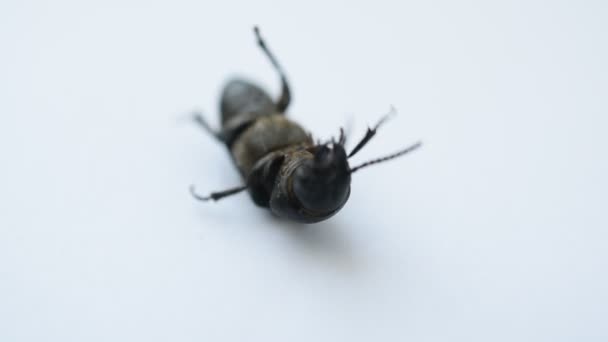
(263,135)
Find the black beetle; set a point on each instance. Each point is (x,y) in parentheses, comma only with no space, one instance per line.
(283,169)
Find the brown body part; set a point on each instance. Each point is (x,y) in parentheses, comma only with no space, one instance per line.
(269,134)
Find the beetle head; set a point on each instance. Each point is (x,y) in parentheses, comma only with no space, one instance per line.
(322,183)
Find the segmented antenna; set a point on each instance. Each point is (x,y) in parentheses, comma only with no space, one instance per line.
(387,158)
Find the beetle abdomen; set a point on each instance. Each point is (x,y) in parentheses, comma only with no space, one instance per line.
(265,135)
(240,96)
(241,103)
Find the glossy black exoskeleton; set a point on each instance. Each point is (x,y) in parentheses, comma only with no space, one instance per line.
(283,169)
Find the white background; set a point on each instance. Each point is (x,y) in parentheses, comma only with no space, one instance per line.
(495,230)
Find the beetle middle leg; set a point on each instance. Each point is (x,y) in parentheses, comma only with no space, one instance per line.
(285,98)
(371,132)
(202,122)
(217,195)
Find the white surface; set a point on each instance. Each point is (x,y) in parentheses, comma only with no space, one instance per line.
(495,231)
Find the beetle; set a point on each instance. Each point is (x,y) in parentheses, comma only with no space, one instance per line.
(283,169)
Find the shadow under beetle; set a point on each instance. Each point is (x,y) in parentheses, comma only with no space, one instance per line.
(284,170)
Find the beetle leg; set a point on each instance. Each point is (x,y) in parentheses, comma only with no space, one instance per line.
(345,131)
(285,98)
(200,120)
(216,195)
(342,138)
(371,132)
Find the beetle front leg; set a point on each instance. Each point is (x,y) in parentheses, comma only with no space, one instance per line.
(371,132)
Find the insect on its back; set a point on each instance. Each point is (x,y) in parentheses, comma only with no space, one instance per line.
(282,168)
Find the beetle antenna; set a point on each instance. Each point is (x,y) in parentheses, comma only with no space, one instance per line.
(372,131)
(342,138)
(285,98)
(386,158)
(216,195)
